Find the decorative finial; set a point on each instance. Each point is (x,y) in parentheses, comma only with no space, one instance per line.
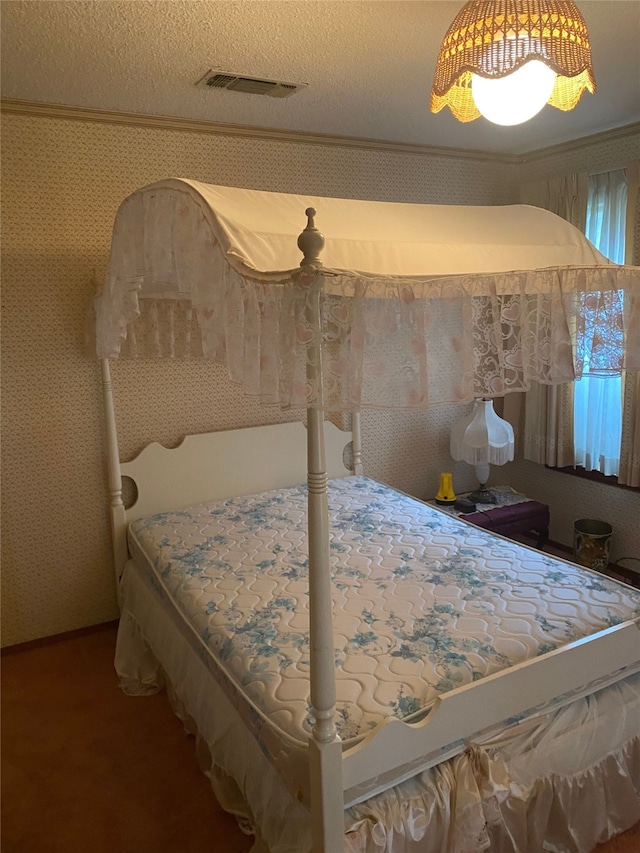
(311,242)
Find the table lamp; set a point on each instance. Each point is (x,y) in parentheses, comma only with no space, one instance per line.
(482,438)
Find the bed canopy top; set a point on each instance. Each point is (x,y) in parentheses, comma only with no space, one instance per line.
(414,305)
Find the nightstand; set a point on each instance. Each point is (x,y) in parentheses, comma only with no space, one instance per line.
(513,513)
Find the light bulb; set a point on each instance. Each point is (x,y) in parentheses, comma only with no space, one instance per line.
(515,98)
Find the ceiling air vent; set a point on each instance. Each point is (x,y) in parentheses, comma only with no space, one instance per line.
(215,79)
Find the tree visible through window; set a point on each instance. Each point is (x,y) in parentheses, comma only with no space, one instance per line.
(598,396)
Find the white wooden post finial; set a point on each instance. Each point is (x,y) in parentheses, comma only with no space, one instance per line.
(311,242)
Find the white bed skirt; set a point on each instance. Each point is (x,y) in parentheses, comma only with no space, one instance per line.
(563,782)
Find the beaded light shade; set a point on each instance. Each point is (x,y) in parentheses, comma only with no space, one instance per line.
(494,38)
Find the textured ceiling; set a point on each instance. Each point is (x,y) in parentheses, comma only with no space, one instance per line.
(368,65)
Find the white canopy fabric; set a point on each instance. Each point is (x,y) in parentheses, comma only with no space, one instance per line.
(416,304)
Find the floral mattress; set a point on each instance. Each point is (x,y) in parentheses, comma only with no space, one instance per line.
(424,602)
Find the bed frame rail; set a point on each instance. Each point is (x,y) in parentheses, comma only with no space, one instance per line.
(465,712)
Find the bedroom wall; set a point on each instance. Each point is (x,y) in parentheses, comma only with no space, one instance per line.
(62,182)
(571,497)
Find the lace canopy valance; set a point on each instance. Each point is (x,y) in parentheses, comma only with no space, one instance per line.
(415,304)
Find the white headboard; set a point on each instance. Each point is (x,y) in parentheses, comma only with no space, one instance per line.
(213,466)
(218,465)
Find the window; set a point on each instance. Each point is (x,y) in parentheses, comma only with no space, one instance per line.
(598,397)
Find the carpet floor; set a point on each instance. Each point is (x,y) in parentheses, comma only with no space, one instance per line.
(86,769)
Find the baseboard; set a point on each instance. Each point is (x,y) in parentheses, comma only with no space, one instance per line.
(57,638)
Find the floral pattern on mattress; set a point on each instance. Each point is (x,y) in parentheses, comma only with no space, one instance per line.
(423,602)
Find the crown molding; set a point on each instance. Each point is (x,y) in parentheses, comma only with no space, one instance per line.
(59,111)
(612,135)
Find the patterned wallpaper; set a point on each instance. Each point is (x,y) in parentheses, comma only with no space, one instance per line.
(62,182)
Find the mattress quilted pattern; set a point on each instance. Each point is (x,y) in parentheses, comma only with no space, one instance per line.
(424,603)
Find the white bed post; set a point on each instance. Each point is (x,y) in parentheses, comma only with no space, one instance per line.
(118,520)
(356,433)
(325,750)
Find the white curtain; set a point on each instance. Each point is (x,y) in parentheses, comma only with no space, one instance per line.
(598,423)
(598,397)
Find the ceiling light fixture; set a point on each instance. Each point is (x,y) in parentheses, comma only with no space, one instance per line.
(506,59)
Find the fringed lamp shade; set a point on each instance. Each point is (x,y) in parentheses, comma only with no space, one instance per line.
(482,438)
(495,38)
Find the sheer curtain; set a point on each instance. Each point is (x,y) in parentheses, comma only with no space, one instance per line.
(598,397)
(543,417)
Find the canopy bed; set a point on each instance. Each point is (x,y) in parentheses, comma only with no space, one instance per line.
(364,672)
